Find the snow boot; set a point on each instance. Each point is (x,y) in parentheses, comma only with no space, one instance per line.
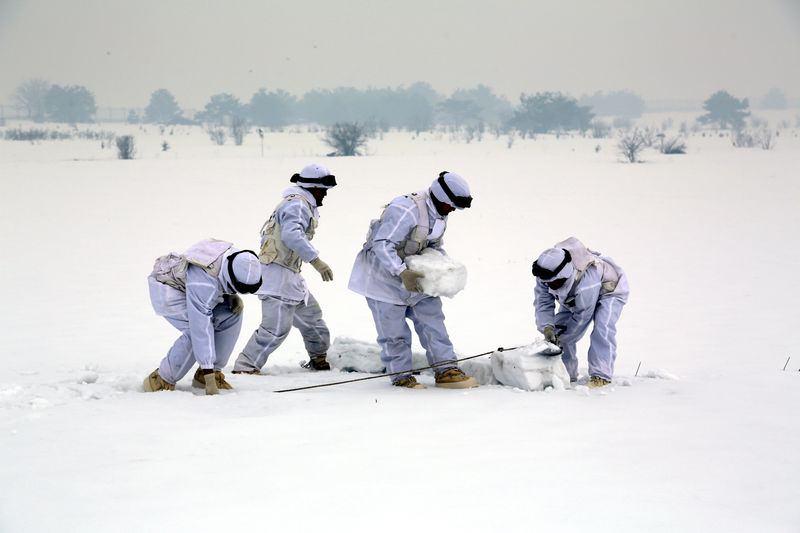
(318,362)
(206,379)
(254,372)
(155,383)
(198,381)
(455,378)
(409,382)
(595,382)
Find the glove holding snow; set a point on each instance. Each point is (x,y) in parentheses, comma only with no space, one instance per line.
(411,280)
(324,270)
(236,304)
(550,335)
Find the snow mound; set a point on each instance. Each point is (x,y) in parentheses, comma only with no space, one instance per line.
(528,368)
(352,355)
(481,370)
(661,374)
(443,275)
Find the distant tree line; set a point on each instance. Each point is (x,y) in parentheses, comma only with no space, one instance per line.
(417,107)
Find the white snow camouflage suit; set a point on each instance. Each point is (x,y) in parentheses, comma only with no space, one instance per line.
(376,276)
(586,296)
(285,299)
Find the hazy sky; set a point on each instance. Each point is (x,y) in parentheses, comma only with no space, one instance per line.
(663,49)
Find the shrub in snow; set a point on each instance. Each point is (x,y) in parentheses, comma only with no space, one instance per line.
(528,368)
(672,146)
(631,145)
(346,138)
(443,275)
(126,147)
(766,140)
(217,135)
(238,130)
(36,134)
(743,139)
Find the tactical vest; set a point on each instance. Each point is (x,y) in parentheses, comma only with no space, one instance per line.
(273,250)
(417,239)
(583,258)
(207,254)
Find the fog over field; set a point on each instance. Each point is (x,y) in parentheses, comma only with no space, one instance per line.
(665,136)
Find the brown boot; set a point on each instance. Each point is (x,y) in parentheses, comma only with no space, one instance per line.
(254,372)
(318,362)
(155,383)
(595,382)
(455,378)
(199,382)
(409,383)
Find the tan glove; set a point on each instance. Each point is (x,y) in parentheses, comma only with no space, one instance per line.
(236,304)
(550,335)
(323,269)
(411,280)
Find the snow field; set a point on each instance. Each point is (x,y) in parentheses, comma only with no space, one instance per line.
(705,239)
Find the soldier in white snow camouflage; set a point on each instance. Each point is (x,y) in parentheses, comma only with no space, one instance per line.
(285,298)
(196,292)
(588,286)
(408,225)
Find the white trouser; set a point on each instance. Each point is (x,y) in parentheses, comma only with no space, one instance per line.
(278,315)
(180,358)
(603,347)
(394,335)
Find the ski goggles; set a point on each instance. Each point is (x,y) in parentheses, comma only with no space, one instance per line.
(325,181)
(460,202)
(556,283)
(545,273)
(242,288)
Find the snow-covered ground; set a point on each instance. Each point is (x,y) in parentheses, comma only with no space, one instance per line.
(706,436)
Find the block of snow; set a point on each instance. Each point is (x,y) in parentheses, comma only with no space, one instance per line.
(528,368)
(443,275)
(352,355)
(480,369)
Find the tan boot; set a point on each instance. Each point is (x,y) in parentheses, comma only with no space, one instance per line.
(409,383)
(155,383)
(595,382)
(455,378)
(254,372)
(318,362)
(199,381)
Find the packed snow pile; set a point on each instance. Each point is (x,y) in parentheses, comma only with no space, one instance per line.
(443,275)
(531,367)
(352,355)
(481,370)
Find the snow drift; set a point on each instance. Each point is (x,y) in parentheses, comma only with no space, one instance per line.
(352,355)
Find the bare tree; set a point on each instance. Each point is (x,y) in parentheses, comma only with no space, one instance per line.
(238,130)
(631,144)
(126,147)
(346,138)
(31,95)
